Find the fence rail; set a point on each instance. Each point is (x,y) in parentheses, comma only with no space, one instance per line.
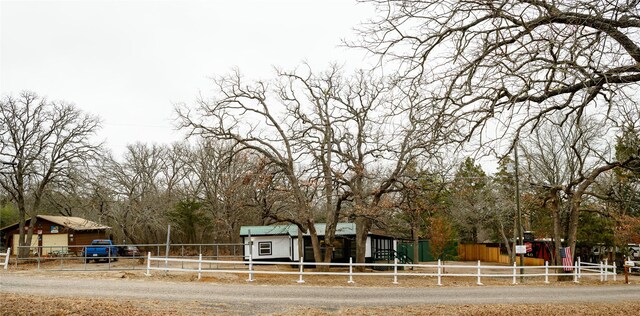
(436,270)
(65,256)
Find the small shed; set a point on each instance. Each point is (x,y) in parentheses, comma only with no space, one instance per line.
(280,242)
(56,233)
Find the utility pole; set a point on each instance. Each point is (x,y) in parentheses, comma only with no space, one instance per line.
(518,214)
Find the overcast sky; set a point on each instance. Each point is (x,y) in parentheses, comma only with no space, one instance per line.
(130,61)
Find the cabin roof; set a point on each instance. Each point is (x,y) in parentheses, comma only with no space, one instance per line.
(292,230)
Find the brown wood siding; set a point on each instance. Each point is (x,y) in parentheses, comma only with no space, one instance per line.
(80,238)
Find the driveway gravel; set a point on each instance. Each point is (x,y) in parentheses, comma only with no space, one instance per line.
(256,299)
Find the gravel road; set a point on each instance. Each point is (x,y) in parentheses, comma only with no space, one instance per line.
(269,299)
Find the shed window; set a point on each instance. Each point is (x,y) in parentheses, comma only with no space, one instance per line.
(264,248)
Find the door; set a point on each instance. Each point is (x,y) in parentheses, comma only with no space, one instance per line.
(54,242)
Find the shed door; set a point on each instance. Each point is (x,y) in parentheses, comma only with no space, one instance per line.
(54,242)
(16,239)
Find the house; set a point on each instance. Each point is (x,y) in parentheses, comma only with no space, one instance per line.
(56,233)
(280,242)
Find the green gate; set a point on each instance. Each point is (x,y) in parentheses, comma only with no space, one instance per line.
(424,251)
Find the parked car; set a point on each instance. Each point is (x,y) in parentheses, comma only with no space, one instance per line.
(129,251)
(101,249)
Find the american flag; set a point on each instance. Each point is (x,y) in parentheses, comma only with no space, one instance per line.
(567,262)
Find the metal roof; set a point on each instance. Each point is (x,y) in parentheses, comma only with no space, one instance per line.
(267,230)
(75,223)
(292,230)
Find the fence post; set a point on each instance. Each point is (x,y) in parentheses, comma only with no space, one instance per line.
(351,271)
(601,270)
(479,273)
(250,258)
(606,269)
(301,263)
(546,272)
(615,273)
(579,268)
(439,273)
(6,259)
(575,272)
(148,264)
(199,266)
(395,270)
(514,272)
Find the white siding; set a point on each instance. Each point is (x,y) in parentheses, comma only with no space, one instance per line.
(280,247)
(296,254)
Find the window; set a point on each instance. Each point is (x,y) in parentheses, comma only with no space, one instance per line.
(264,248)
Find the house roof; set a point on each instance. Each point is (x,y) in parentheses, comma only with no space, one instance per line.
(292,230)
(266,230)
(75,223)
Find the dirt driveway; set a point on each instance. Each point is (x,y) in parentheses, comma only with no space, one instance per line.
(132,293)
(25,291)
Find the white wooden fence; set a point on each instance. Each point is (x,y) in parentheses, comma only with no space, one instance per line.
(579,270)
(6,255)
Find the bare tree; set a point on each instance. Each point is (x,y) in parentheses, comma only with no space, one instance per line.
(136,190)
(566,160)
(225,185)
(44,140)
(252,117)
(510,63)
(383,132)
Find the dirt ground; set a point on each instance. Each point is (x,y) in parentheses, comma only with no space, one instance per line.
(15,304)
(12,304)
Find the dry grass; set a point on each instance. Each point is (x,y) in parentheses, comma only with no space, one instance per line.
(14,304)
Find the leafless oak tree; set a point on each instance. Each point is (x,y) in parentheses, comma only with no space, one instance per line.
(498,68)
(566,161)
(44,140)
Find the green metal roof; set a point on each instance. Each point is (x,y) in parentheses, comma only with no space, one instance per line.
(341,229)
(292,230)
(266,230)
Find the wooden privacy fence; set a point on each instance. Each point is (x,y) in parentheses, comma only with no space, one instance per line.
(473,252)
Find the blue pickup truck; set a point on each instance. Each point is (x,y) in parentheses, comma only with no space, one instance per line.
(101,249)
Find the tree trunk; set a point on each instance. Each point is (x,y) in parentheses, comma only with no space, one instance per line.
(363,225)
(574,219)
(506,242)
(315,244)
(557,230)
(329,238)
(22,252)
